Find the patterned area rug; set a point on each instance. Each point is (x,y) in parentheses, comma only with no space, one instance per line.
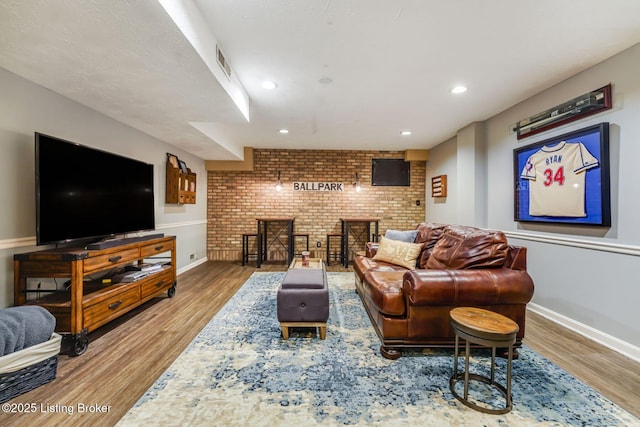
(240,372)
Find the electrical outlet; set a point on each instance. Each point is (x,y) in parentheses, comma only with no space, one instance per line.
(318,244)
(417,202)
(192,256)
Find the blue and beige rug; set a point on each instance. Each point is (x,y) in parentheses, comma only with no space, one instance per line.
(240,372)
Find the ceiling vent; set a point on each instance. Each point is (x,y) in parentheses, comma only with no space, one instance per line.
(222,61)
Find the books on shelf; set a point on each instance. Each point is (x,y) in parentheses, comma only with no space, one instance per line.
(136,272)
(133,276)
(146,267)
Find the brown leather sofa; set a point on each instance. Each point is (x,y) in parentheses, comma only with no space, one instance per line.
(457,266)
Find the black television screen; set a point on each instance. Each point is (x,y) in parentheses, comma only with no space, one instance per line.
(390,172)
(84,193)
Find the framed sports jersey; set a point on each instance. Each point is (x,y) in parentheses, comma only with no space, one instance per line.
(564,179)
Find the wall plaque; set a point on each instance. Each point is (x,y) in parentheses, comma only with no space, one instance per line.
(439,186)
(318,186)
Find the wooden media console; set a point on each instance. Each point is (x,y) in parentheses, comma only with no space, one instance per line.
(95,292)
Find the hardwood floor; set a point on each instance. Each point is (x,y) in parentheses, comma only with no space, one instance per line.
(125,357)
(615,376)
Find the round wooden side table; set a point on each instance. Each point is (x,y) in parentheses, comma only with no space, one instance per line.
(486,328)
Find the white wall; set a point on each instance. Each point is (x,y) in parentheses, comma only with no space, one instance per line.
(26,108)
(443,161)
(585,277)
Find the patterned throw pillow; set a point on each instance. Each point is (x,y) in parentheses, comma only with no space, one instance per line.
(399,253)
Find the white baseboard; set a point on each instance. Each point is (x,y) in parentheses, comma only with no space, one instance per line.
(192,265)
(616,344)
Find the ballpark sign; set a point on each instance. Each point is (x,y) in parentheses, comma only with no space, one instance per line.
(318,186)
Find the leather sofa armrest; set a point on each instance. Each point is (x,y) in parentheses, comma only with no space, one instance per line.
(372,249)
(467,287)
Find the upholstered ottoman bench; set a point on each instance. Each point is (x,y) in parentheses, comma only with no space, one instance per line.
(303,300)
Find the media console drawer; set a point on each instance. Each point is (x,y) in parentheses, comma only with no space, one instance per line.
(156,248)
(156,283)
(112,259)
(109,308)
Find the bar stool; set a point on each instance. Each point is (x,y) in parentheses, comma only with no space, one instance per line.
(306,237)
(486,328)
(245,247)
(336,255)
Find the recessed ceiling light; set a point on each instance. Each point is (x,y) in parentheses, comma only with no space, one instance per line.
(406,132)
(283,131)
(268,84)
(459,89)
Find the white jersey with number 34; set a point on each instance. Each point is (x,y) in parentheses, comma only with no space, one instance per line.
(557,179)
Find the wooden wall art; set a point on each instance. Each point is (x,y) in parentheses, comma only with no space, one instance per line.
(439,186)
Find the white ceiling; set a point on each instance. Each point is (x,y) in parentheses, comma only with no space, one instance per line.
(391,64)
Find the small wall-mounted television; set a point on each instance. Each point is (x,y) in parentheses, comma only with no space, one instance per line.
(87,194)
(390,172)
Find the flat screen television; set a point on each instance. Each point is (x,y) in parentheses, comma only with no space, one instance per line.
(390,172)
(87,194)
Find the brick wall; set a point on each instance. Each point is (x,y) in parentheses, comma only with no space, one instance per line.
(236,199)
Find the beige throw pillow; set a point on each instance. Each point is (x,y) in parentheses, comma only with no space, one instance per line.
(399,253)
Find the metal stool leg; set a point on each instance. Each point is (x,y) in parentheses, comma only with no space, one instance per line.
(328,249)
(339,256)
(245,249)
(509,365)
(466,370)
(455,358)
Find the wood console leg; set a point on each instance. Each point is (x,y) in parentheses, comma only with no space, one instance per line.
(323,332)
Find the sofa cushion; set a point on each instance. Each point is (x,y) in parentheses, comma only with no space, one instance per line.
(468,247)
(408,236)
(362,264)
(400,253)
(384,290)
(428,234)
(304,279)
